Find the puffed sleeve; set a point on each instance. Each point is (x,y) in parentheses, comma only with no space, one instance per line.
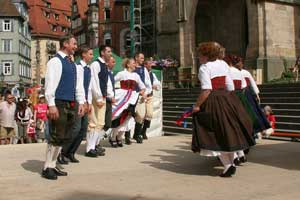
(253,84)
(204,77)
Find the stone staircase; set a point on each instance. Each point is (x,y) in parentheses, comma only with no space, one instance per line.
(283,98)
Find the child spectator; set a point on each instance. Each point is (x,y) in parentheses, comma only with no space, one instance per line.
(23,115)
(40,113)
(31,131)
(271,118)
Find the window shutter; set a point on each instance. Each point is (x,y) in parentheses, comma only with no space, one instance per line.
(12,25)
(12,68)
(1,25)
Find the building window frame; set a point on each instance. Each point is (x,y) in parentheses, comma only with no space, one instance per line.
(56,17)
(6,48)
(126,13)
(7,68)
(7,25)
(107,14)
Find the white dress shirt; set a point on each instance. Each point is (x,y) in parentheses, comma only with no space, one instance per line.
(52,79)
(80,80)
(110,89)
(95,70)
(147,81)
(156,82)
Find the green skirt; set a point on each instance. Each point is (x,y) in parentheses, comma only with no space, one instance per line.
(248,107)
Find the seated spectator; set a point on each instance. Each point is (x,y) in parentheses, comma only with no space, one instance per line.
(271,117)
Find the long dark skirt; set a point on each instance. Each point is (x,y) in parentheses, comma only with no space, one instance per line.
(222,124)
(263,123)
(249,108)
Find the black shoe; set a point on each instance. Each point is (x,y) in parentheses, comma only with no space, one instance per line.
(230,171)
(113,144)
(243,159)
(72,158)
(237,162)
(246,151)
(59,172)
(138,139)
(91,153)
(61,159)
(127,138)
(99,148)
(49,173)
(119,143)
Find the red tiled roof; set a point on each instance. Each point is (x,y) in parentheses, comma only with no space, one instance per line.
(82,6)
(41,25)
(8,9)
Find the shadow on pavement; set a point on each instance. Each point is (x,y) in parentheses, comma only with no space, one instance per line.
(283,155)
(93,196)
(186,162)
(34,166)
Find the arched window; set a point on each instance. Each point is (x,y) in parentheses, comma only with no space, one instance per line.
(107,39)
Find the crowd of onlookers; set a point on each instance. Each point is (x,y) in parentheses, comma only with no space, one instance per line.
(21,121)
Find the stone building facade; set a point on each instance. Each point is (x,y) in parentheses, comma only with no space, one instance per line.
(264,32)
(49,20)
(97,22)
(14,44)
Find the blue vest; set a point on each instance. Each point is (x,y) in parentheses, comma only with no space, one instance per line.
(67,85)
(141,72)
(86,79)
(151,77)
(112,78)
(103,78)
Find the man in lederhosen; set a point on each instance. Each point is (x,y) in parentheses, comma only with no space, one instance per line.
(61,92)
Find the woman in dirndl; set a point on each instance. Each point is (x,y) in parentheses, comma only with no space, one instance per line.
(239,86)
(252,94)
(126,99)
(221,125)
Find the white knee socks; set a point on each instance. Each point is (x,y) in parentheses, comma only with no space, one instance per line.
(52,153)
(91,140)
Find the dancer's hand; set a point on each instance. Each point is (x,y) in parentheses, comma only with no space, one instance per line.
(53,113)
(113,100)
(100,104)
(196,109)
(81,110)
(154,87)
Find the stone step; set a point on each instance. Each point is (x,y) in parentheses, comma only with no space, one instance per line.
(177,129)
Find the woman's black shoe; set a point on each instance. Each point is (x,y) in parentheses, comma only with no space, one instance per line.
(243,159)
(49,173)
(237,162)
(127,141)
(113,144)
(119,143)
(230,171)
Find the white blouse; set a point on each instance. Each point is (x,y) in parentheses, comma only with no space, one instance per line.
(237,75)
(212,70)
(253,85)
(126,75)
